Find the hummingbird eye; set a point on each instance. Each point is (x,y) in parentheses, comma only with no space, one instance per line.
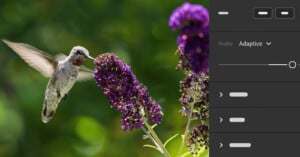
(79,52)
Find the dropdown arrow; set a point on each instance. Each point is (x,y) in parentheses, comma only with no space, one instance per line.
(268,43)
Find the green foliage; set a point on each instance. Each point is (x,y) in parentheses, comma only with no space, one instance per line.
(84,124)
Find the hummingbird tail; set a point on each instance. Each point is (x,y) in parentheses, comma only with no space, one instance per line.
(47,112)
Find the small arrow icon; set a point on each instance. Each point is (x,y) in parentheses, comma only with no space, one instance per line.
(269,43)
(220,119)
(220,145)
(220,94)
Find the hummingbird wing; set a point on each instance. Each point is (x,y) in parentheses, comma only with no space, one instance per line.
(36,58)
(85,74)
(60,57)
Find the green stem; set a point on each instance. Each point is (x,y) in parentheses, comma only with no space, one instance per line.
(156,141)
(187,128)
(152,139)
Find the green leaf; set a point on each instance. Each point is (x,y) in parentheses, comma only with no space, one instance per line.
(153,126)
(170,139)
(152,146)
(145,137)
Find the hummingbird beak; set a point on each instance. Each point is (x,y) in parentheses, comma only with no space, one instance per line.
(89,57)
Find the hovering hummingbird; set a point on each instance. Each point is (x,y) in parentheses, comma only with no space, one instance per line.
(62,70)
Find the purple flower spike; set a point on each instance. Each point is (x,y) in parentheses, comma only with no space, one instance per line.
(195,92)
(193,41)
(154,111)
(198,138)
(131,118)
(115,78)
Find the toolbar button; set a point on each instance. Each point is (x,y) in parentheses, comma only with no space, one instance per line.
(262,13)
(223,13)
(285,13)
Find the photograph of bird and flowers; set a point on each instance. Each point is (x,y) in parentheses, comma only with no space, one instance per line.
(107,78)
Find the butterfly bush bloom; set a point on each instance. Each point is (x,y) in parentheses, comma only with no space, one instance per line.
(194,99)
(198,138)
(195,94)
(193,22)
(115,78)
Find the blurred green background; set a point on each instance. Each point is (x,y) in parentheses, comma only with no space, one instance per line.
(85,125)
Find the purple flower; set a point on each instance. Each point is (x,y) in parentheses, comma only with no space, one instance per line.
(193,41)
(198,138)
(192,21)
(195,94)
(154,112)
(194,99)
(188,12)
(115,78)
(131,117)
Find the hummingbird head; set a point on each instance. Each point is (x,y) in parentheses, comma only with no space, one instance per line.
(79,54)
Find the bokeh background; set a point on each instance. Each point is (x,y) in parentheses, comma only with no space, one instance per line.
(85,125)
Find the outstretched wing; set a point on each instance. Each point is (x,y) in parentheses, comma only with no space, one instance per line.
(36,58)
(85,74)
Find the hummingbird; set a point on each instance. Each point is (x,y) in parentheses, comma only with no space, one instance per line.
(62,70)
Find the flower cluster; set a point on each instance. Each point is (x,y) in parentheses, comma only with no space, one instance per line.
(187,13)
(195,101)
(198,138)
(195,94)
(193,41)
(115,78)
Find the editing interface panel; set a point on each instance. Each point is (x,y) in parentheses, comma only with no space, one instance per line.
(255,78)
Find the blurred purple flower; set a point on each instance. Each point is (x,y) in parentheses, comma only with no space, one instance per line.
(115,78)
(188,12)
(193,41)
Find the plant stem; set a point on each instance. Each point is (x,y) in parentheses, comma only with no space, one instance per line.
(156,141)
(152,139)
(187,129)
